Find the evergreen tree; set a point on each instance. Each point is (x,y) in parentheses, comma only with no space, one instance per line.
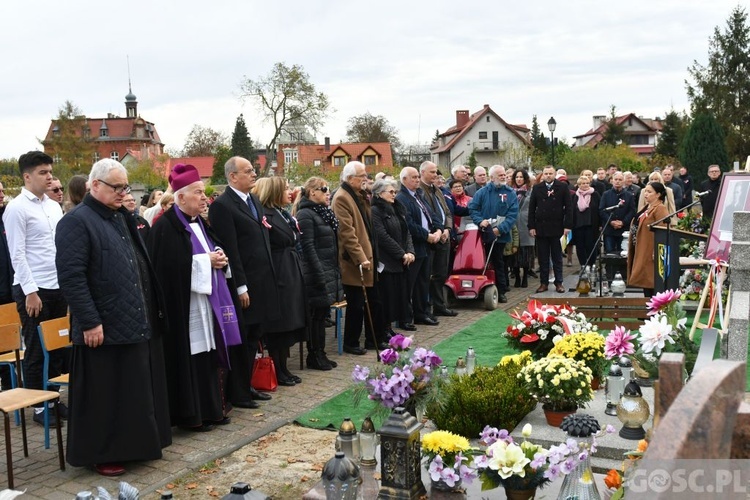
(672,130)
(702,146)
(722,87)
(538,141)
(221,155)
(614,133)
(242,145)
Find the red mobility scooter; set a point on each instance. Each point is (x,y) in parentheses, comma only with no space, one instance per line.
(472,275)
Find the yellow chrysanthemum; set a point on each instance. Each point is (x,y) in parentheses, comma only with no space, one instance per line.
(443,442)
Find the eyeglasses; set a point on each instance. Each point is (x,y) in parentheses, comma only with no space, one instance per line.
(323,189)
(117,188)
(58,190)
(391,191)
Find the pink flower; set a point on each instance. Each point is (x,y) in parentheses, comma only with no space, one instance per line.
(400,343)
(661,300)
(618,342)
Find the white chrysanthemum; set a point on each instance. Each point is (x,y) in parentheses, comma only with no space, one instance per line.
(557,328)
(654,334)
(556,339)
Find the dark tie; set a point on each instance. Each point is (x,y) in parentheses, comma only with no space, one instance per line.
(251,206)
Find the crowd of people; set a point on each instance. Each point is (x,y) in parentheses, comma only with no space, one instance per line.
(170,304)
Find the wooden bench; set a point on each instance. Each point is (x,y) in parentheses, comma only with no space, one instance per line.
(606,312)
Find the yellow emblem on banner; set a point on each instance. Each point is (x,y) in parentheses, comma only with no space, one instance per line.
(661,252)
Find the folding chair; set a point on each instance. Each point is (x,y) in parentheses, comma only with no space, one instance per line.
(338,309)
(9,316)
(20,398)
(54,334)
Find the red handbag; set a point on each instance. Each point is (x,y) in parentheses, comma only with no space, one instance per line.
(264,374)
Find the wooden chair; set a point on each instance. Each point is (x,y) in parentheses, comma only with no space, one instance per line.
(338,309)
(54,334)
(9,316)
(20,398)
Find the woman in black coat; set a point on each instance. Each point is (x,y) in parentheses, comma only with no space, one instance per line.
(320,265)
(291,327)
(395,252)
(586,220)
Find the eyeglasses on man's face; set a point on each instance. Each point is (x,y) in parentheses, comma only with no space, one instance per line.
(117,188)
(58,190)
(323,189)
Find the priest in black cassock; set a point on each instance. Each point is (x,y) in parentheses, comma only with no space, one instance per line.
(117,402)
(201,306)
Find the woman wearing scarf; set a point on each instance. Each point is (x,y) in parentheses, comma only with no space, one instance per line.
(586,220)
(524,257)
(283,236)
(201,306)
(320,264)
(396,253)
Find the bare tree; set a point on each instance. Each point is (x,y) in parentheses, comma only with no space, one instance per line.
(286,95)
(203,141)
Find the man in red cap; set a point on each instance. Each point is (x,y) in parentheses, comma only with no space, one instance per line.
(118,394)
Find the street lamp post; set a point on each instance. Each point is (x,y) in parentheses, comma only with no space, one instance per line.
(552,124)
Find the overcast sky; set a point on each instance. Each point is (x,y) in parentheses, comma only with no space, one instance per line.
(414,62)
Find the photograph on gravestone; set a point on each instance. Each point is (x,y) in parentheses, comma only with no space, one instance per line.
(732,198)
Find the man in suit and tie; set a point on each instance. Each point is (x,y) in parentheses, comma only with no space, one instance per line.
(423,226)
(237,218)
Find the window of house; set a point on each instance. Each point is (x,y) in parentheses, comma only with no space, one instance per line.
(103,132)
(86,132)
(96,156)
(290,156)
(115,155)
(488,118)
(56,158)
(483,136)
(369,160)
(339,161)
(316,163)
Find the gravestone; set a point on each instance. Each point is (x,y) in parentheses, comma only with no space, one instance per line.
(734,344)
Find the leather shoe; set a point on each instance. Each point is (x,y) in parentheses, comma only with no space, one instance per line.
(246,404)
(409,327)
(502,298)
(223,421)
(356,350)
(259,396)
(427,321)
(542,288)
(39,419)
(295,378)
(381,346)
(63,410)
(110,470)
(445,312)
(286,382)
(559,288)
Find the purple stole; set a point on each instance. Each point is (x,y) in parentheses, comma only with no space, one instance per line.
(225,315)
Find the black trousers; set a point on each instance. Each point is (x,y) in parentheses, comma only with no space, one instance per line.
(549,248)
(419,286)
(498,263)
(53,306)
(584,239)
(440,270)
(356,315)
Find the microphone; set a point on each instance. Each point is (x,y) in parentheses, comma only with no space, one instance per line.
(704,193)
(619,204)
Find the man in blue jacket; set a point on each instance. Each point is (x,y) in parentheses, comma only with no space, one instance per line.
(495,208)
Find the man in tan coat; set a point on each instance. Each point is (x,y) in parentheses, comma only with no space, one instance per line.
(357,247)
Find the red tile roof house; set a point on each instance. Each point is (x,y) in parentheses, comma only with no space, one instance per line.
(484,133)
(115,136)
(332,157)
(641,134)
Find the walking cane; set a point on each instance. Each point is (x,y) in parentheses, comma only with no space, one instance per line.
(369,314)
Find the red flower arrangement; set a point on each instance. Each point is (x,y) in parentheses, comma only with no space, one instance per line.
(540,326)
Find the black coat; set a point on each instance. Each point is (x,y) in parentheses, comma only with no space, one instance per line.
(320,257)
(590,215)
(100,288)
(247,246)
(290,283)
(624,213)
(392,233)
(6,267)
(550,214)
